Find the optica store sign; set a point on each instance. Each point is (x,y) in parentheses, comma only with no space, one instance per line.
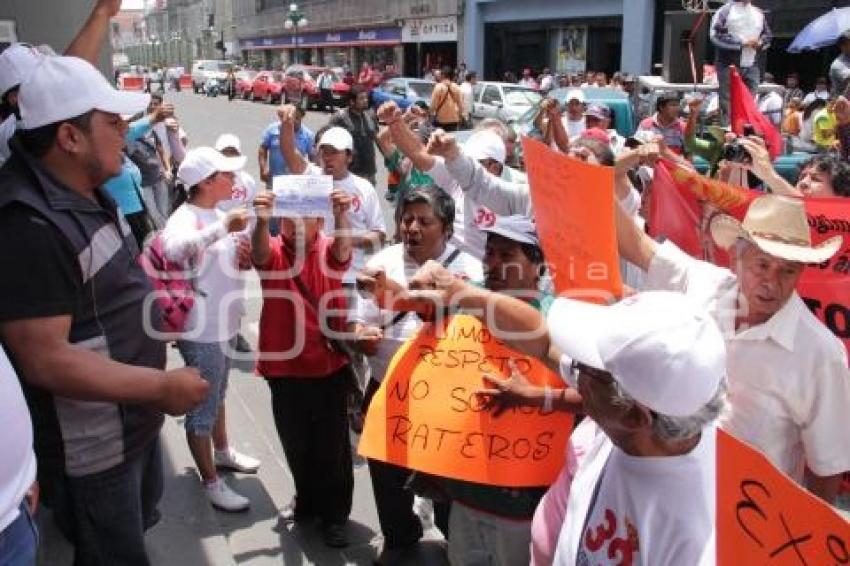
(429,30)
(320,39)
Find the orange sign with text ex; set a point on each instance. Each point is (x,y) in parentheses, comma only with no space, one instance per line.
(764,517)
(574,213)
(427,417)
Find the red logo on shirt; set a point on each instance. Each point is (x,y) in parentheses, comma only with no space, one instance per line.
(238,193)
(484,217)
(356,203)
(596,538)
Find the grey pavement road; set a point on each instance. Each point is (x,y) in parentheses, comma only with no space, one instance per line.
(191,532)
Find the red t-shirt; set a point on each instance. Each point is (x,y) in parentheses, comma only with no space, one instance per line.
(288,318)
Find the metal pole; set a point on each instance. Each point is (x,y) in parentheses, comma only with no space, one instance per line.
(295,23)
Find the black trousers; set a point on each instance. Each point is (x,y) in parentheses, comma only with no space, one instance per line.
(311,418)
(400,525)
(327,99)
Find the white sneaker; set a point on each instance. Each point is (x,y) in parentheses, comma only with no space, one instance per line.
(224,498)
(236,461)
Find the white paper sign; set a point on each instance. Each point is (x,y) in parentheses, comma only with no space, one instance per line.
(302,196)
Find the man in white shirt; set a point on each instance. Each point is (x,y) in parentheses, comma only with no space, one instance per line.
(242,194)
(466,96)
(739,33)
(650,372)
(546,81)
(574,122)
(335,148)
(821,91)
(789,384)
(770,103)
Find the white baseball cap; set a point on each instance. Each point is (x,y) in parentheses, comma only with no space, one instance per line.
(575,94)
(515,227)
(17,62)
(228,140)
(202,162)
(664,352)
(61,88)
(338,138)
(485,144)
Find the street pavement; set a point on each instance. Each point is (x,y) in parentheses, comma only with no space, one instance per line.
(191,532)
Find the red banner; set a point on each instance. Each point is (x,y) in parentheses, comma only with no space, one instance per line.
(743,110)
(824,287)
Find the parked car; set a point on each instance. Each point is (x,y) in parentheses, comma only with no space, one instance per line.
(205,69)
(244,81)
(505,101)
(267,86)
(404,91)
(301,81)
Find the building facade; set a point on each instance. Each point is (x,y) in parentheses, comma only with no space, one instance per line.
(43,22)
(566,36)
(406,35)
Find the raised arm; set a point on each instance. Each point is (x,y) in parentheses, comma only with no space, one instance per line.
(342,245)
(260,249)
(762,167)
(88,42)
(556,126)
(634,245)
(296,162)
(405,140)
(513,321)
(473,178)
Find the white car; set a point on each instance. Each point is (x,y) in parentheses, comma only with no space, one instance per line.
(505,101)
(206,69)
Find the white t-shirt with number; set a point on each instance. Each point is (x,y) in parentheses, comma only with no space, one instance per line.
(479,198)
(629,510)
(365,214)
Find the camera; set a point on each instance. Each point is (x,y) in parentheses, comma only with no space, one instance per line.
(734,152)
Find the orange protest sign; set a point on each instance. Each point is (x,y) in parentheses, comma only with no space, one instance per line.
(574,213)
(763,517)
(426,415)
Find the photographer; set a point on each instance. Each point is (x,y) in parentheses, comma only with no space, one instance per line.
(821,176)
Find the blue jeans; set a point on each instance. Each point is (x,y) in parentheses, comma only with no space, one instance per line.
(213,362)
(19,541)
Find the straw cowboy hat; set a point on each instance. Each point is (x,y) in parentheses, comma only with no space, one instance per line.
(778,226)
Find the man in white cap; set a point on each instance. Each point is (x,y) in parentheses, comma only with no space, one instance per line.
(335,151)
(242,194)
(650,373)
(471,177)
(93,375)
(244,185)
(789,385)
(18,60)
(573,120)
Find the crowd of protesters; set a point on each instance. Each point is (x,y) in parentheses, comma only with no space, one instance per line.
(98,185)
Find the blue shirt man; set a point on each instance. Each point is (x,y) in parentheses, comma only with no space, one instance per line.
(271,160)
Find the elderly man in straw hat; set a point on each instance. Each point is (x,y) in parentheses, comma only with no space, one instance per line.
(789,385)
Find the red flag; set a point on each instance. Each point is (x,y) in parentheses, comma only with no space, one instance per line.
(743,110)
(673,213)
